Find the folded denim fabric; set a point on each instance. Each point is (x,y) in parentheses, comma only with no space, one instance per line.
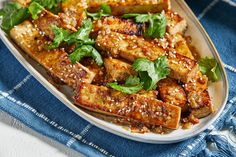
(27,100)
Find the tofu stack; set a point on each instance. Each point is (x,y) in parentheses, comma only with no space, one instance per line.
(121,42)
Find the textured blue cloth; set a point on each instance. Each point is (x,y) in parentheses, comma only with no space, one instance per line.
(24,98)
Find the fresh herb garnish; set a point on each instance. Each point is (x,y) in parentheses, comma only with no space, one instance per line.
(132,85)
(132,81)
(156,23)
(52,5)
(86,51)
(210,67)
(151,72)
(13,14)
(60,35)
(105,10)
(84,45)
(79,38)
(35,8)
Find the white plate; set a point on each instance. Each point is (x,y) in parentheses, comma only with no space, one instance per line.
(218,91)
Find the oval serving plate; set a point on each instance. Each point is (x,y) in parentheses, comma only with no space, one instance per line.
(218,91)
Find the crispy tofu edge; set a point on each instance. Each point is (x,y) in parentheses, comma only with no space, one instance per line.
(82,100)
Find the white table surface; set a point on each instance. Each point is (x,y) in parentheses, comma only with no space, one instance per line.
(17,140)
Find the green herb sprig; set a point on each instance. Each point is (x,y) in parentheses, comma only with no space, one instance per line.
(35,9)
(13,14)
(156,23)
(104,10)
(149,74)
(132,85)
(52,5)
(84,45)
(210,67)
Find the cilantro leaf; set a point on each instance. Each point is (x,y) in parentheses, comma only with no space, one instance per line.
(60,36)
(132,85)
(86,51)
(132,80)
(52,5)
(126,89)
(161,67)
(12,14)
(81,37)
(210,67)
(104,10)
(81,40)
(131,15)
(156,23)
(159,25)
(35,8)
(151,72)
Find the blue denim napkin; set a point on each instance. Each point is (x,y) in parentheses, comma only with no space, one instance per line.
(24,98)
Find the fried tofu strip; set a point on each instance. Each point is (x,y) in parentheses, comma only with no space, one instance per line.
(117,70)
(173,93)
(74,12)
(133,47)
(127,46)
(130,6)
(116,24)
(46,20)
(182,68)
(200,104)
(198,96)
(198,83)
(148,94)
(136,107)
(55,61)
(175,23)
(180,45)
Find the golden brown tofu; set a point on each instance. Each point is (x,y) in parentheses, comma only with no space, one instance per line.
(181,46)
(133,47)
(136,107)
(46,20)
(198,96)
(173,93)
(116,24)
(117,70)
(200,104)
(129,47)
(130,6)
(74,12)
(198,83)
(182,68)
(148,94)
(55,61)
(175,23)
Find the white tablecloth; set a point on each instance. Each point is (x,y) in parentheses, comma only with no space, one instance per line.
(17,140)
